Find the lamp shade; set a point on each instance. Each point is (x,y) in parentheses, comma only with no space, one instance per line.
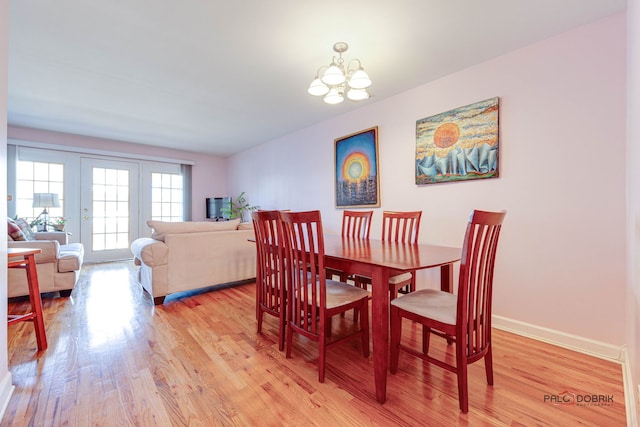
(46,200)
(333,97)
(333,76)
(317,88)
(359,80)
(357,94)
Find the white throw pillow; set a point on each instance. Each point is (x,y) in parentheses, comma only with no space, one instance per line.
(161,229)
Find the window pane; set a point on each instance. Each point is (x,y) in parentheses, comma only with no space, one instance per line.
(166,197)
(38,177)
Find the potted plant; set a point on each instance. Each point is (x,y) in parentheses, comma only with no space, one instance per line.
(58,223)
(238,207)
(37,224)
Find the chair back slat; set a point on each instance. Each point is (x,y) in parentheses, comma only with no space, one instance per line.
(401,227)
(475,284)
(304,245)
(356,224)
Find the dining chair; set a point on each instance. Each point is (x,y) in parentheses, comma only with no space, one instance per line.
(399,227)
(355,225)
(464,318)
(312,298)
(271,280)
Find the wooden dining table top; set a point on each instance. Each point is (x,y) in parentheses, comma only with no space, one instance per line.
(397,256)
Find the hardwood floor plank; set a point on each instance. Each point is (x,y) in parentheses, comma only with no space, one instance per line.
(115,359)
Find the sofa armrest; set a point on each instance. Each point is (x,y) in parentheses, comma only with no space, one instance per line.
(50,249)
(61,236)
(151,252)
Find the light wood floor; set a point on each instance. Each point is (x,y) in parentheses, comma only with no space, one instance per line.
(116,360)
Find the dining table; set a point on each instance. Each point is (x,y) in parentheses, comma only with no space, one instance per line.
(379,260)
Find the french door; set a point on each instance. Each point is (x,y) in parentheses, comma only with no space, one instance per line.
(109,208)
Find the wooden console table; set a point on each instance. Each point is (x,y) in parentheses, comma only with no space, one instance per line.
(26,259)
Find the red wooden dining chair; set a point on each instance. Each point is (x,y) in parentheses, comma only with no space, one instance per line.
(271,280)
(312,299)
(465,317)
(355,225)
(401,227)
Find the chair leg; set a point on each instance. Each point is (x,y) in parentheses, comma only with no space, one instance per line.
(283,326)
(289,341)
(488,365)
(426,338)
(259,316)
(393,292)
(364,326)
(396,335)
(322,357)
(463,389)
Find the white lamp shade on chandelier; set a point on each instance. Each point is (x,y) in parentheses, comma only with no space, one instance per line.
(332,81)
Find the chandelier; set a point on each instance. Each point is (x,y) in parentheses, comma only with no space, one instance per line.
(332,81)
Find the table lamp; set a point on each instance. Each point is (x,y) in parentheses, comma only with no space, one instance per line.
(45,200)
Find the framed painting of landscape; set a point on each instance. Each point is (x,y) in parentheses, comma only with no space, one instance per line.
(356,170)
(458,145)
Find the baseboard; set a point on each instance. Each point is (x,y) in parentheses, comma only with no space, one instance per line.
(594,348)
(562,339)
(630,396)
(6,390)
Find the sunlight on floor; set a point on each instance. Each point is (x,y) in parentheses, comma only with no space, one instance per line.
(109,307)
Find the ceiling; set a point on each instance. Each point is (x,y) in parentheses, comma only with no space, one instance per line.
(219,77)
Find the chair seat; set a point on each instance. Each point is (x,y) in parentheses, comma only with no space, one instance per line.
(429,303)
(339,293)
(404,277)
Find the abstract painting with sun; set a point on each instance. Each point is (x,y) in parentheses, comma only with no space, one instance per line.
(357,181)
(458,145)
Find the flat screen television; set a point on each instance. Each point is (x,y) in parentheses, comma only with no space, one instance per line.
(214,208)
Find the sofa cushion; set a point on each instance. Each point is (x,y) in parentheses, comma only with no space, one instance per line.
(26,229)
(161,228)
(14,231)
(70,257)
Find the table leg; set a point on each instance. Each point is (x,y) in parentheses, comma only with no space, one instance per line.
(380,329)
(36,302)
(446,278)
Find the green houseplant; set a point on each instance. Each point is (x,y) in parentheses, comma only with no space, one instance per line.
(237,207)
(58,223)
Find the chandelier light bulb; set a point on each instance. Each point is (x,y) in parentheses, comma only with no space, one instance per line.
(333,97)
(359,80)
(317,88)
(357,94)
(333,76)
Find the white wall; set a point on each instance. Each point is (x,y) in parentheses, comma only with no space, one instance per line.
(561,261)
(6,387)
(633,158)
(209,174)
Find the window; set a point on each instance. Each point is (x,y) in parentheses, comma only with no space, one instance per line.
(166,197)
(38,177)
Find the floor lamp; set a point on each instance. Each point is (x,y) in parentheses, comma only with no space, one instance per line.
(45,200)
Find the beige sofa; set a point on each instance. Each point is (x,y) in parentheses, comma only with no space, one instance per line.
(58,265)
(182,256)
